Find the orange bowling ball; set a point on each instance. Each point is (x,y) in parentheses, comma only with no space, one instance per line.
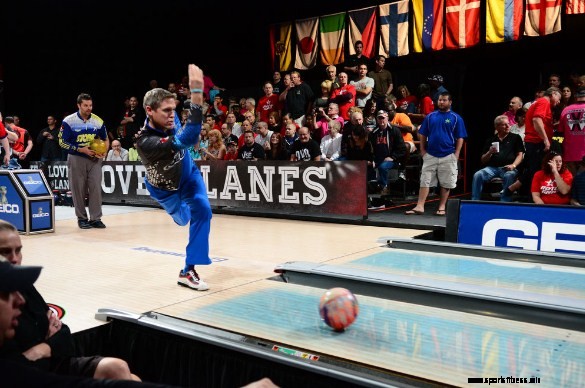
(98,146)
(338,308)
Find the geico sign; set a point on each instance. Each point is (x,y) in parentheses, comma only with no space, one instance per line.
(547,235)
(9,208)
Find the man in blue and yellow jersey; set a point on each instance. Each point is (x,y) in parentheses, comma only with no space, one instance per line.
(85,165)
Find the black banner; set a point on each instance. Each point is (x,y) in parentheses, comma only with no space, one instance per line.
(313,187)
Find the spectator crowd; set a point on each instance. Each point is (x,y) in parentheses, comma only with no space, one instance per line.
(536,151)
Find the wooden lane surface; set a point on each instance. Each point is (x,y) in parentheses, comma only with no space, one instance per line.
(133,264)
(437,344)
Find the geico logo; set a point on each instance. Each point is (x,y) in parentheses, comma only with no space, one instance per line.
(32,182)
(551,236)
(9,208)
(37,215)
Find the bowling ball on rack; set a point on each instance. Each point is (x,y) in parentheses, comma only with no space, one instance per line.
(98,146)
(338,308)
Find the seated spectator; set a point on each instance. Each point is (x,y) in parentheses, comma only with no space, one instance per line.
(323,101)
(42,340)
(212,120)
(230,120)
(246,126)
(196,151)
(552,184)
(232,151)
(578,190)
(263,134)
(250,150)
(331,143)
(219,109)
(133,153)
(227,135)
(389,149)
(117,153)
(274,123)
(322,125)
(275,149)
(402,122)
(359,148)
(501,155)
(216,148)
(305,148)
(514,106)
(6,137)
(22,147)
(286,120)
(406,102)
(289,138)
(370,115)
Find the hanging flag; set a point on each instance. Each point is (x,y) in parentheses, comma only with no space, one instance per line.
(575,7)
(503,21)
(394,29)
(332,36)
(543,17)
(306,43)
(281,46)
(363,26)
(462,22)
(428,20)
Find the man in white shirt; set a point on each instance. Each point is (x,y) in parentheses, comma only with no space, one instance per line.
(363,86)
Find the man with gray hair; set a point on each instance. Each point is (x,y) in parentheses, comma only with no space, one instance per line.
(501,155)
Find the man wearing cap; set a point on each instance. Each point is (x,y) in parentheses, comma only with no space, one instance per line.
(572,126)
(42,340)
(12,281)
(436,82)
(441,135)
(389,148)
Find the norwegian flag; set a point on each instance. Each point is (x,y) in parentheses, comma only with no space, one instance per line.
(543,17)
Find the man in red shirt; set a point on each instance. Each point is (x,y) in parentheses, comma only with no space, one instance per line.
(268,103)
(344,96)
(539,133)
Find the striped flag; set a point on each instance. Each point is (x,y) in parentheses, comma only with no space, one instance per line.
(543,17)
(428,17)
(281,46)
(575,7)
(504,20)
(394,29)
(332,36)
(306,43)
(462,22)
(363,26)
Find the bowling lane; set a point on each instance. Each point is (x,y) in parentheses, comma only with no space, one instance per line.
(436,344)
(519,277)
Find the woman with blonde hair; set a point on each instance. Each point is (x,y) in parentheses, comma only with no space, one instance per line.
(216,148)
(323,101)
